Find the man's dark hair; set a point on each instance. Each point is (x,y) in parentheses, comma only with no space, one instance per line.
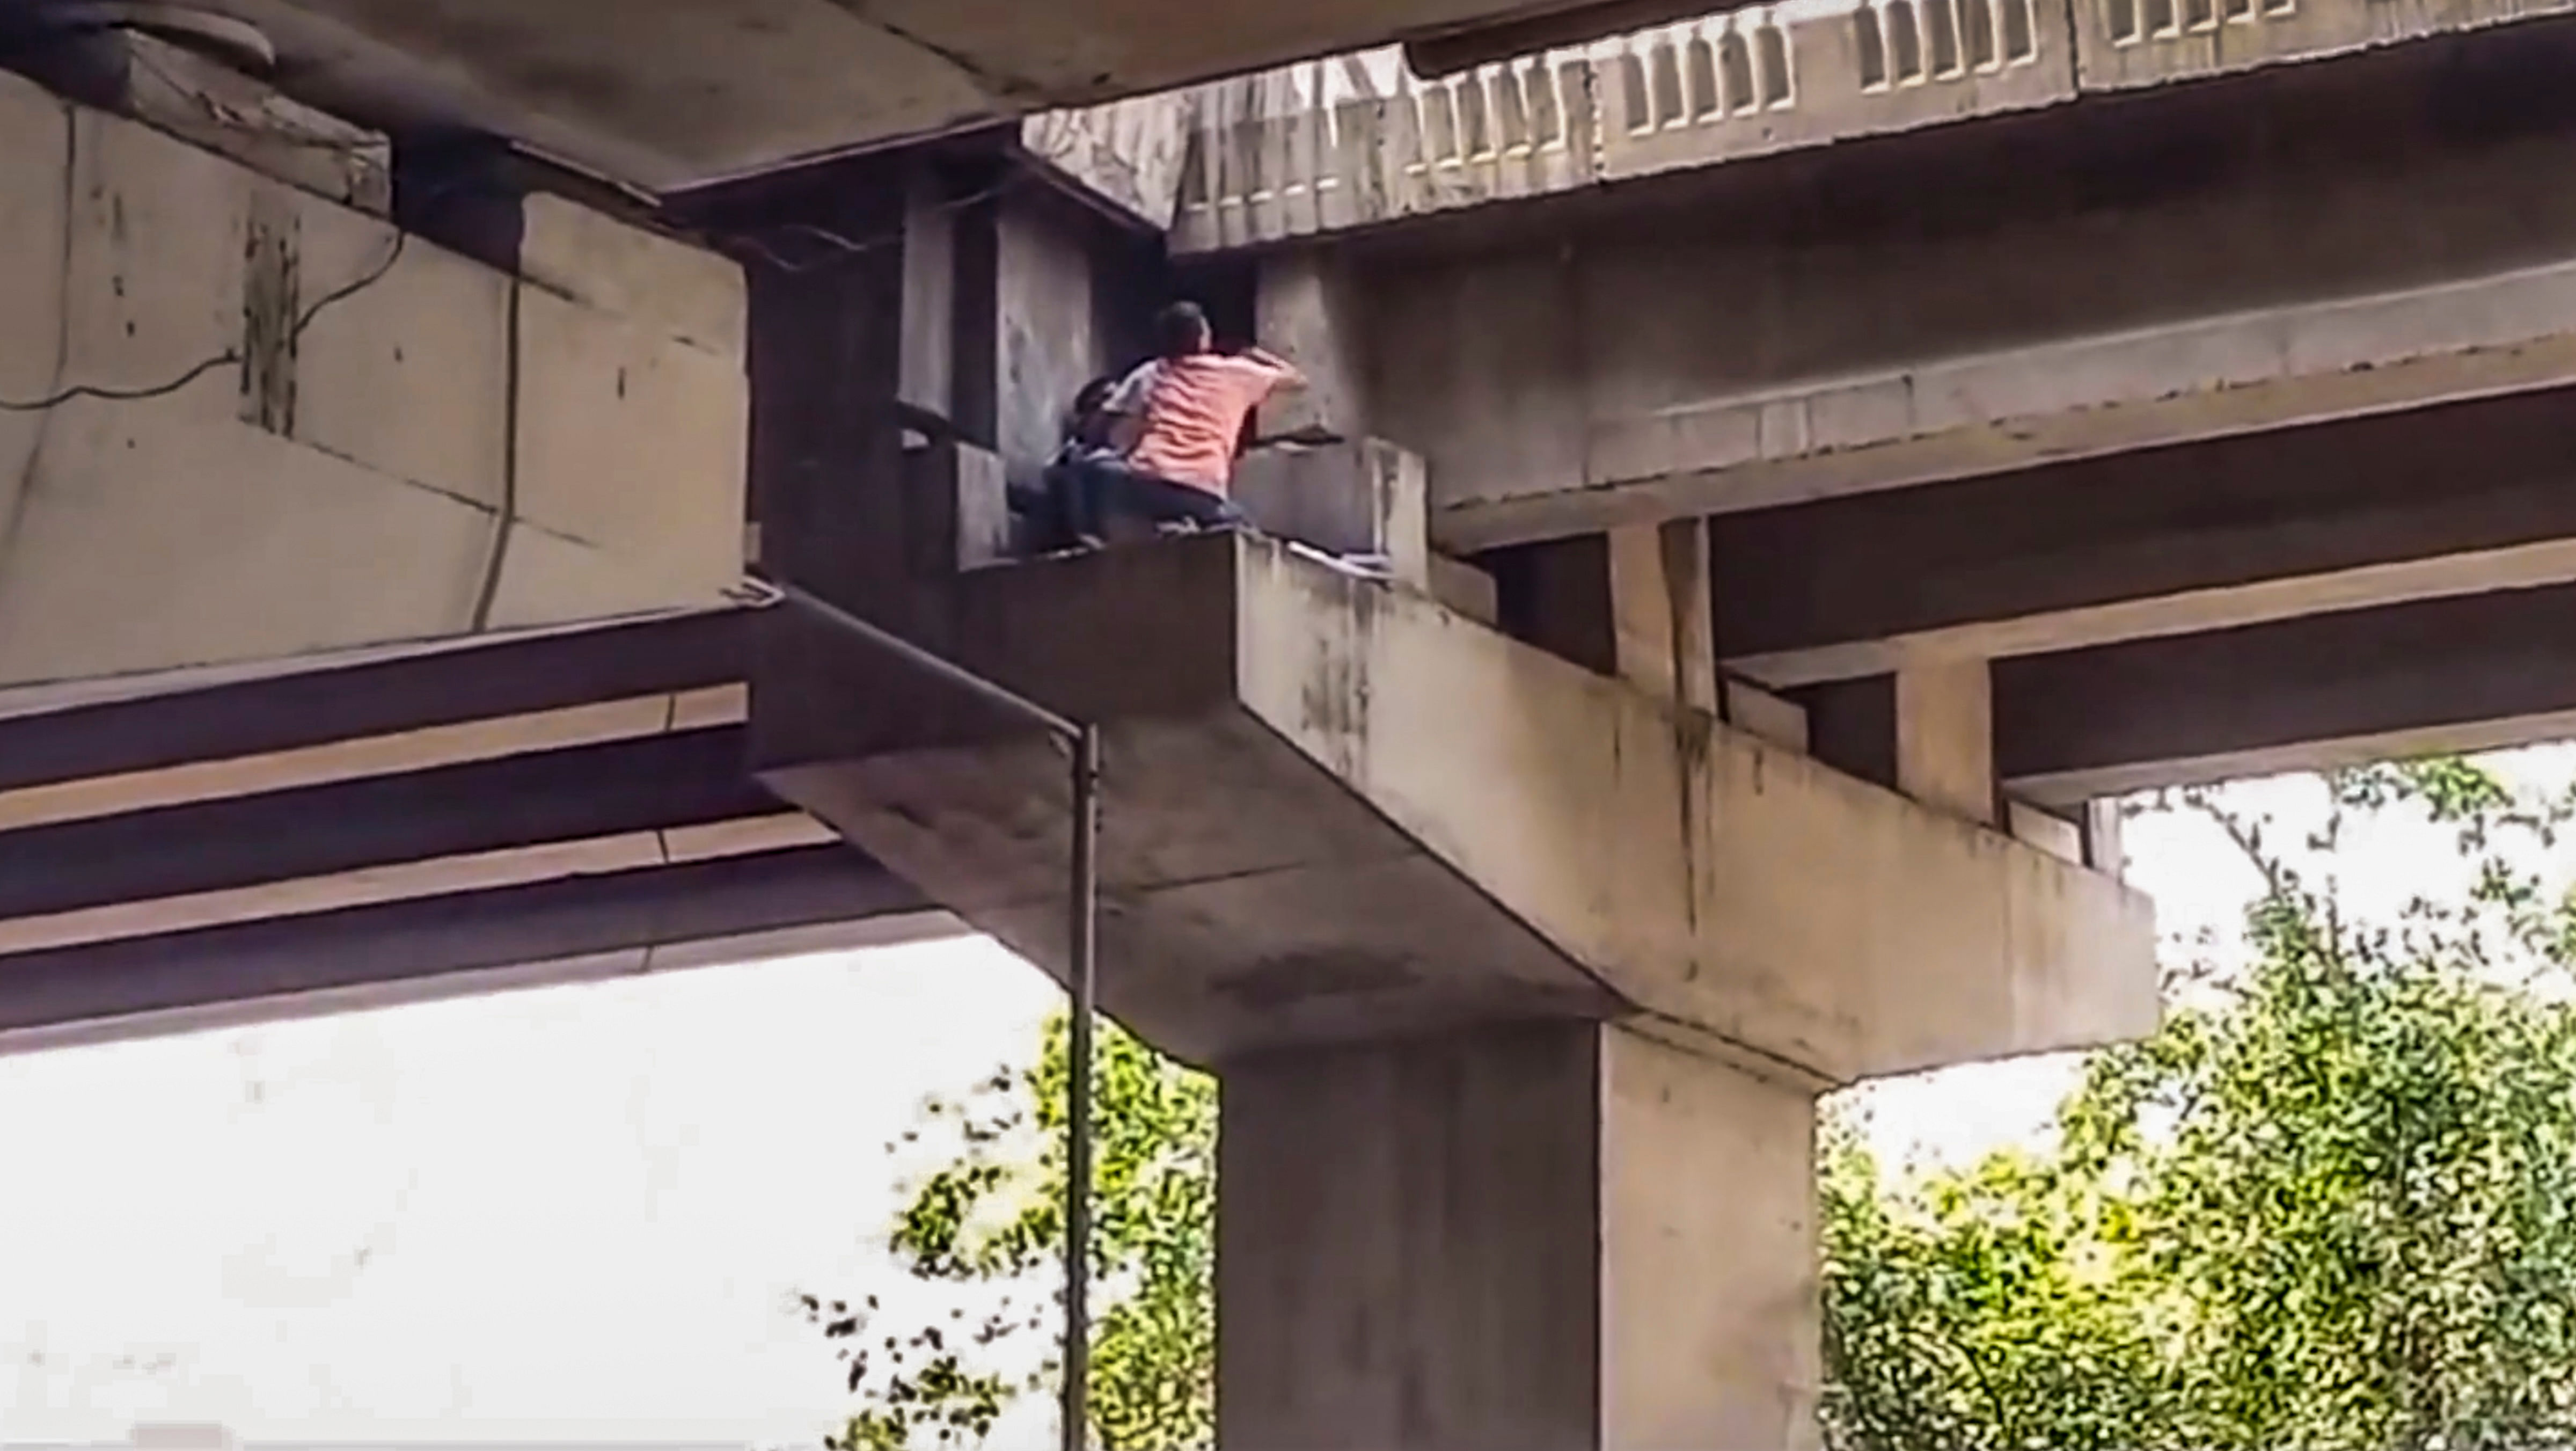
(1084,423)
(1094,394)
(1180,330)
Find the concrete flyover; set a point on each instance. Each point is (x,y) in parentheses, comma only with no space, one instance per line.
(1782,557)
(2187,417)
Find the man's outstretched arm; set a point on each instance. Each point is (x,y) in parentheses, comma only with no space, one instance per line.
(1283,373)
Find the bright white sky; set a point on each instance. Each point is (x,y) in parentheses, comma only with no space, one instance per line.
(583,1213)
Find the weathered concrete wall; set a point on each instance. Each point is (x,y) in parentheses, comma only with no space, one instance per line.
(442,449)
(1706,361)
(1049,324)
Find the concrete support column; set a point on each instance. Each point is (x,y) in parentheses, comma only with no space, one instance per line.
(1532,1237)
(1663,630)
(1945,737)
(1305,310)
(1659,611)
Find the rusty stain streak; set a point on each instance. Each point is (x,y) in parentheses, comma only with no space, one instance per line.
(1334,698)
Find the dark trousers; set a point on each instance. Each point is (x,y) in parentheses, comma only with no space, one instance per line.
(1098,490)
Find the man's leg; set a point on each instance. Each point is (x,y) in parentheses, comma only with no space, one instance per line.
(1164,501)
(1081,494)
(1046,505)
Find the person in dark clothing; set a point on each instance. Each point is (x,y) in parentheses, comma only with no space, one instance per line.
(1078,476)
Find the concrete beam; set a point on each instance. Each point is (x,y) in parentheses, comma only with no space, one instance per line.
(457,878)
(210,105)
(297,717)
(655,783)
(2473,673)
(543,933)
(2449,500)
(772,82)
(2228,373)
(1291,744)
(1809,331)
(338,434)
(368,757)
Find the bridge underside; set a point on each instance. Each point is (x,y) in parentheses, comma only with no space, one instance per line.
(547,809)
(2329,581)
(1524,891)
(663,94)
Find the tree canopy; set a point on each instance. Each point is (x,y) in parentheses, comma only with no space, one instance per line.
(992,1214)
(2330,1204)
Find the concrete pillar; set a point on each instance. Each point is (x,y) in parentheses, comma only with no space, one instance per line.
(1536,1237)
(1305,310)
(1945,737)
(1659,611)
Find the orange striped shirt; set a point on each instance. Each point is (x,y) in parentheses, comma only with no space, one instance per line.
(1193,410)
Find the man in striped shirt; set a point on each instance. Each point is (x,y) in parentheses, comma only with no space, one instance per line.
(1180,416)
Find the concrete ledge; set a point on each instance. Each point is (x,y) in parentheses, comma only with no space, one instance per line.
(1362,497)
(1338,811)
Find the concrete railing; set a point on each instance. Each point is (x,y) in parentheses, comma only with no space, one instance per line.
(1346,143)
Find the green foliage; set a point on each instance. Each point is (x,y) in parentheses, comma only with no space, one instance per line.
(2330,1205)
(993,1214)
(2327,1206)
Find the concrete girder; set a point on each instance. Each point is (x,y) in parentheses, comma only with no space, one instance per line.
(544,932)
(402,826)
(664,93)
(2430,503)
(2475,672)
